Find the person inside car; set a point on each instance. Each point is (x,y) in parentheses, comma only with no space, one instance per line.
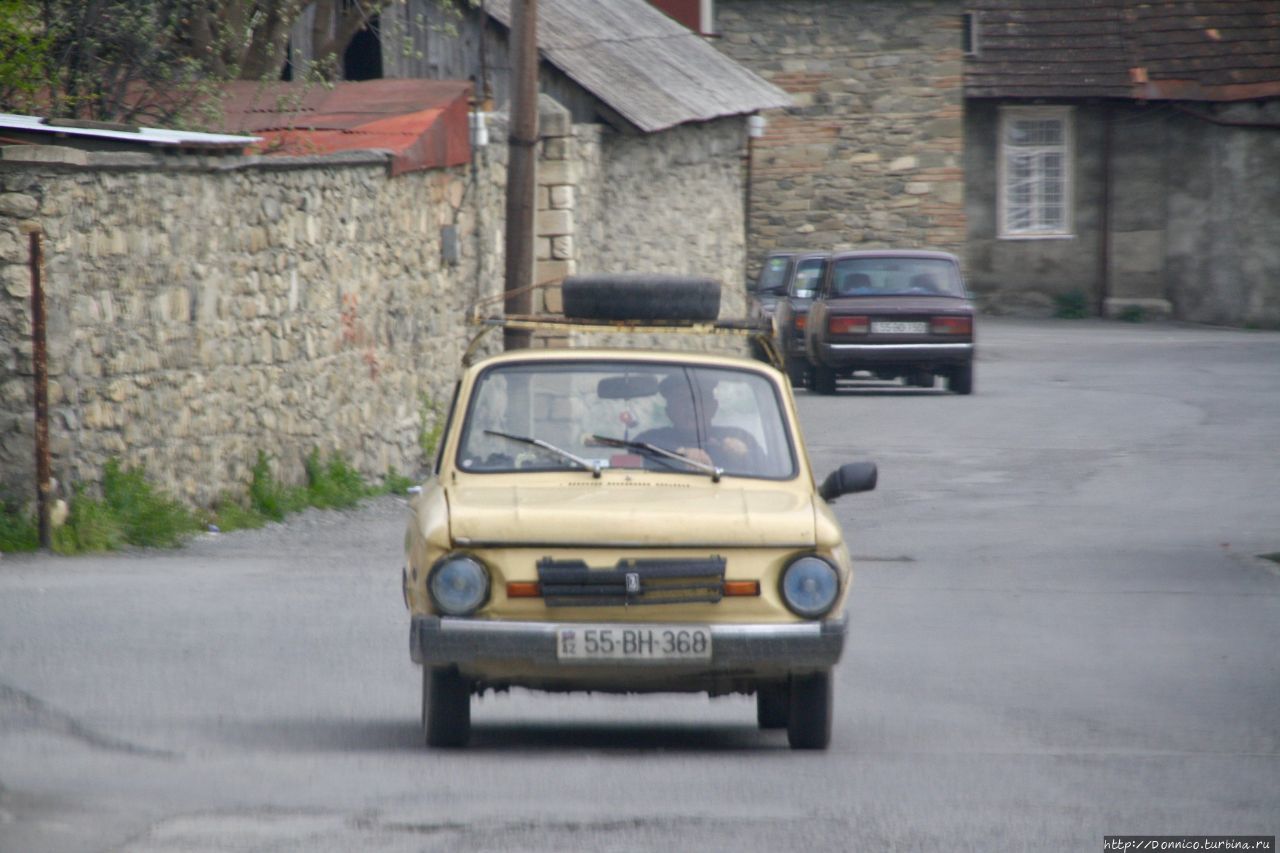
(692,433)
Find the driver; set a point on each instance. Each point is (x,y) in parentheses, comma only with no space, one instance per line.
(692,434)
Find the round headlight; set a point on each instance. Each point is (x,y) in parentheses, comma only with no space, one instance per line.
(458,585)
(810,586)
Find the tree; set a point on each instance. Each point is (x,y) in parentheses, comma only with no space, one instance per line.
(154,60)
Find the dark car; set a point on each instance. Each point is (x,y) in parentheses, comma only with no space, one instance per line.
(896,314)
(771,282)
(792,310)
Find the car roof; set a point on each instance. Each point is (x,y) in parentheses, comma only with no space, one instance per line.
(895,253)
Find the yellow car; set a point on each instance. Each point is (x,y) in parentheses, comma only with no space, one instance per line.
(627,521)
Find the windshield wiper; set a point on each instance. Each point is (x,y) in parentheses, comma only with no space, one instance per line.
(593,466)
(655,450)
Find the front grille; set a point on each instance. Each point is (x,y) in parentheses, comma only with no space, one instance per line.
(572,583)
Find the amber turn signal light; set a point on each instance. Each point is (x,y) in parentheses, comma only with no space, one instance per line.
(524,589)
(741,588)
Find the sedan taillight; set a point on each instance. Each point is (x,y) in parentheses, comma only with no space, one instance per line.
(951,325)
(848,325)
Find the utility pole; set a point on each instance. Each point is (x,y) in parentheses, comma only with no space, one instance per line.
(521,164)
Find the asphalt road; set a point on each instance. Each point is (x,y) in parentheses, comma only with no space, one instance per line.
(1060,630)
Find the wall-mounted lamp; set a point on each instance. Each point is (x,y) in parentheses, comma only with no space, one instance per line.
(755,126)
(479,130)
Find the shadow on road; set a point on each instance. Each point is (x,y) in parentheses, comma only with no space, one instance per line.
(311,735)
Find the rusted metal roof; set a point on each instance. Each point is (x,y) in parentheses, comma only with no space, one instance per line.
(1199,50)
(38,130)
(423,123)
(643,65)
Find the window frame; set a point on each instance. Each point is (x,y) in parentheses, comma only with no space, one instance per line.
(1065,115)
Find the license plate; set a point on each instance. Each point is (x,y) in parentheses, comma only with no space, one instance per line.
(898,328)
(632,643)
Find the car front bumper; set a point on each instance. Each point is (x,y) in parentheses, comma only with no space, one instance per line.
(438,641)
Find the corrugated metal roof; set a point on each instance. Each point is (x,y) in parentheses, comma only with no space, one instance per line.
(643,65)
(423,123)
(147,136)
(1210,50)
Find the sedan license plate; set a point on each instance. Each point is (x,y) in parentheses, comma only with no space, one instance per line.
(881,327)
(621,643)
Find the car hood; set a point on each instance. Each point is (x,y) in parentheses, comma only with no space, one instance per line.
(632,512)
(899,305)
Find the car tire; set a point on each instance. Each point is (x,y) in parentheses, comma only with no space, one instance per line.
(960,379)
(797,371)
(446,707)
(809,723)
(824,379)
(633,296)
(773,706)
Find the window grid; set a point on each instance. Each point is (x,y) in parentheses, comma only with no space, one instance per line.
(1035,172)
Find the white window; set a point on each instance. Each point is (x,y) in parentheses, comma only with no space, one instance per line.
(1035,172)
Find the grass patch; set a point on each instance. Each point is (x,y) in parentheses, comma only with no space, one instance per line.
(148,518)
(432,427)
(1132,314)
(1071,306)
(333,484)
(132,511)
(18,532)
(271,499)
(394,483)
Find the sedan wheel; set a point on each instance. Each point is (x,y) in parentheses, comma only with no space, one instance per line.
(960,380)
(810,724)
(446,707)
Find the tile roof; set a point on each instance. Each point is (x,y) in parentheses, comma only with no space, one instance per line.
(1203,50)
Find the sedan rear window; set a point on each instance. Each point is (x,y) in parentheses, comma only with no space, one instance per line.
(896,277)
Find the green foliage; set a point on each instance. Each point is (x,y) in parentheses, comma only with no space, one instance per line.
(268,497)
(1132,314)
(229,514)
(18,531)
(91,526)
(395,483)
(24,49)
(148,518)
(1071,306)
(333,484)
(432,428)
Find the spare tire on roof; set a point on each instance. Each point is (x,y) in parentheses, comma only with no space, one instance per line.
(641,296)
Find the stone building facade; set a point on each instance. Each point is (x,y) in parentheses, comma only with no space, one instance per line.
(871,155)
(203,310)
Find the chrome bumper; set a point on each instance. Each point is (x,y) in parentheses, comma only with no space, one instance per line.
(435,640)
(837,355)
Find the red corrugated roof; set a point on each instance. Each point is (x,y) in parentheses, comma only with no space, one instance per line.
(423,123)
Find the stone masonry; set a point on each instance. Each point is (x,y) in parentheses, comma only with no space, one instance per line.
(201,310)
(871,155)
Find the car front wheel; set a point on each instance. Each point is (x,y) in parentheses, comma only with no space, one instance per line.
(446,707)
(809,726)
(773,706)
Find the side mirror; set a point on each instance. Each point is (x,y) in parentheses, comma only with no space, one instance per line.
(849,478)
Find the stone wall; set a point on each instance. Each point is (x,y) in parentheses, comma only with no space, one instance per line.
(199,313)
(1188,208)
(870,156)
(203,310)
